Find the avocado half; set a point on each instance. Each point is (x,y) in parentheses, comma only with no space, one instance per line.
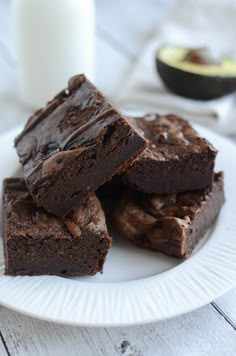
(195,73)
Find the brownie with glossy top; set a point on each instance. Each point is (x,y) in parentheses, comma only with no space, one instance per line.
(74,145)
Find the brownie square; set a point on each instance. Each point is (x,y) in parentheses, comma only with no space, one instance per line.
(74,145)
(169,223)
(177,158)
(37,243)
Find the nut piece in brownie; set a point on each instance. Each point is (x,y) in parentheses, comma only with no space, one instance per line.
(37,243)
(177,158)
(170,223)
(74,145)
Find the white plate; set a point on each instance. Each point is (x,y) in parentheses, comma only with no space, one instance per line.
(137,286)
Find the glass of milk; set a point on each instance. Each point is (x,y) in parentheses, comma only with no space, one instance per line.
(55,39)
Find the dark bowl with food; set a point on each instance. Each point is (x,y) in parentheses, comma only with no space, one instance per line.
(195,73)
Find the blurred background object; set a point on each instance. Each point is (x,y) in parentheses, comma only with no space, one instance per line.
(128,35)
(189,23)
(54,40)
(122,30)
(196,73)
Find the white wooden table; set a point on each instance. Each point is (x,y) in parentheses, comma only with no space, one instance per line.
(122,28)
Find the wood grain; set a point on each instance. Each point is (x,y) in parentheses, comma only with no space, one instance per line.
(3,346)
(203,332)
(227,304)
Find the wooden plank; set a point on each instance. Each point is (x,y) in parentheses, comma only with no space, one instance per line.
(3,347)
(227,305)
(203,332)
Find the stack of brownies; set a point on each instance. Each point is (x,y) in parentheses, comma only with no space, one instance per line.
(53,220)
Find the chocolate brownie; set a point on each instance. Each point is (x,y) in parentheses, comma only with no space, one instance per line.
(36,242)
(170,223)
(177,158)
(74,145)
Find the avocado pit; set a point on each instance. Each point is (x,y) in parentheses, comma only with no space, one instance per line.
(201,56)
